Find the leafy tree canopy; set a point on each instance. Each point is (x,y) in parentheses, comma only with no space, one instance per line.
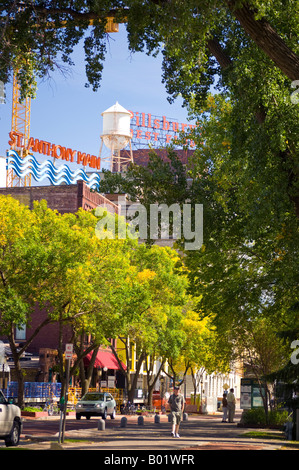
(199,39)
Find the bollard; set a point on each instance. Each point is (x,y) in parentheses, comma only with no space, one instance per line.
(101,425)
(140,420)
(157,419)
(185,417)
(289,431)
(123,422)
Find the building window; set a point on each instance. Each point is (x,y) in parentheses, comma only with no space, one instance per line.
(21,333)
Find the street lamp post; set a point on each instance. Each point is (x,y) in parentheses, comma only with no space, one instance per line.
(162,382)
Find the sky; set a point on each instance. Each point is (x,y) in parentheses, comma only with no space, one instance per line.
(67,113)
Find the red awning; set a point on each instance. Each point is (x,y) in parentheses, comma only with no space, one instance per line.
(103,359)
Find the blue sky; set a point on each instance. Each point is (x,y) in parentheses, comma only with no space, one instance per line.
(66,113)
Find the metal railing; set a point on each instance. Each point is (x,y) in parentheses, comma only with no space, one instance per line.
(42,391)
(34,390)
(75,393)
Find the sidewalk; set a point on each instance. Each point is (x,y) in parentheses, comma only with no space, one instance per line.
(199,432)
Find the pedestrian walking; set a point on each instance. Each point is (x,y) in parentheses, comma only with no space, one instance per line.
(231,405)
(224,408)
(177,404)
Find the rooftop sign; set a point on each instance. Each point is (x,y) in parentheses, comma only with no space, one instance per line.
(53,150)
(158,130)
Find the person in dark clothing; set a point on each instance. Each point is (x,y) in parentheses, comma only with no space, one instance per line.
(224,408)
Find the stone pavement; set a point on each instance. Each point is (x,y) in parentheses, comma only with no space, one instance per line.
(198,432)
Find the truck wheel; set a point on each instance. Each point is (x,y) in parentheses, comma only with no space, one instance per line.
(14,436)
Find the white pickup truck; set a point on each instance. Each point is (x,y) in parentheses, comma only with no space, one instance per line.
(10,422)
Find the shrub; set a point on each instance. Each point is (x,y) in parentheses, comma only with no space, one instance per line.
(254,416)
(257,416)
(278,417)
(32,408)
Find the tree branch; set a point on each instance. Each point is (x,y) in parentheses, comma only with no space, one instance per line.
(267,39)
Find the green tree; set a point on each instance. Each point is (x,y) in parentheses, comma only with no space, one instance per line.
(198,40)
(56,263)
(89,297)
(154,290)
(263,353)
(160,182)
(204,349)
(37,249)
(248,262)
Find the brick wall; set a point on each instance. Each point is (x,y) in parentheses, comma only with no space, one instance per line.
(63,198)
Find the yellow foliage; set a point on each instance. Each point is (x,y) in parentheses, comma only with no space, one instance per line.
(145,275)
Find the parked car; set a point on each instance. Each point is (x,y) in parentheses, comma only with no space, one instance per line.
(10,422)
(96,404)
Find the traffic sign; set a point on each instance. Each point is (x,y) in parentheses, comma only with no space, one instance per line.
(69,351)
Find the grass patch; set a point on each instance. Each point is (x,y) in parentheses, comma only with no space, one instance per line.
(73,441)
(265,435)
(272,435)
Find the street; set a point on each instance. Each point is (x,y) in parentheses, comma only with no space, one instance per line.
(50,426)
(198,432)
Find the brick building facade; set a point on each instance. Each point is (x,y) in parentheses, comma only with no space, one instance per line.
(141,156)
(63,198)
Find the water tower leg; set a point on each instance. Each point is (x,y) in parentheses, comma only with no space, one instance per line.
(112,158)
(118,161)
(131,152)
(100,153)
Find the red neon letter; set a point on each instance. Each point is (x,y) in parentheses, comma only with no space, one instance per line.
(165,124)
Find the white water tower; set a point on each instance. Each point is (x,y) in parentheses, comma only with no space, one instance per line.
(116,135)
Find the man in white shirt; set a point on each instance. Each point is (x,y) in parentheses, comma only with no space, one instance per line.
(231,405)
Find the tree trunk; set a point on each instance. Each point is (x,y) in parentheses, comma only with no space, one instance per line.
(18,370)
(20,379)
(151,383)
(194,382)
(133,384)
(86,376)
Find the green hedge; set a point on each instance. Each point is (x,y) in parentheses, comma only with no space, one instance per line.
(32,408)
(257,416)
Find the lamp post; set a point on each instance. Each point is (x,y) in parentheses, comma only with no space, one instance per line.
(162,382)
(106,377)
(99,378)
